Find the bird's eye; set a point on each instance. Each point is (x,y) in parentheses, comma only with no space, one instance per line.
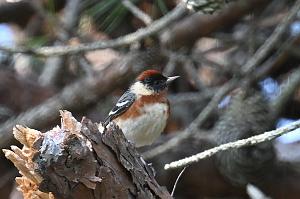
(157,82)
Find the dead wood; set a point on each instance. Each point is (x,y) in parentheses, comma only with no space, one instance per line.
(75,160)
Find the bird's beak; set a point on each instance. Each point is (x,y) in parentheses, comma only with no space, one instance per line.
(171,79)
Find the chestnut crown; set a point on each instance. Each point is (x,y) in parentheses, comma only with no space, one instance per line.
(154,80)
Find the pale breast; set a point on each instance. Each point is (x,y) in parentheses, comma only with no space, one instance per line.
(146,128)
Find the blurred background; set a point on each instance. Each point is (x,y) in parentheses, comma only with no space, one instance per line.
(240,76)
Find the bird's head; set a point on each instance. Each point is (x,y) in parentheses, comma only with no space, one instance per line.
(151,82)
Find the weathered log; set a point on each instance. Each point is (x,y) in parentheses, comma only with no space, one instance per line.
(77,161)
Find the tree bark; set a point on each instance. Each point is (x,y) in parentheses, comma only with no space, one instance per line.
(77,161)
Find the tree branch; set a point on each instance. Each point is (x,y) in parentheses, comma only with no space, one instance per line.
(206,6)
(187,31)
(137,12)
(269,44)
(267,136)
(220,94)
(75,160)
(156,26)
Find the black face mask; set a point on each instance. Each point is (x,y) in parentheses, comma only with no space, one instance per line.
(157,82)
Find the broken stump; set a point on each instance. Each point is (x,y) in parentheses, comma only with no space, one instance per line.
(75,160)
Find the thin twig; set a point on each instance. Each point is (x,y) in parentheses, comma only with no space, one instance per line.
(137,12)
(255,193)
(206,6)
(53,71)
(54,66)
(270,43)
(176,182)
(156,26)
(280,56)
(267,136)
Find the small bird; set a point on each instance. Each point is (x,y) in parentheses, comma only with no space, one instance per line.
(143,110)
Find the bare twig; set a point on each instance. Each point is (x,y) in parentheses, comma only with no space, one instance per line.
(156,26)
(54,67)
(267,136)
(213,104)
(255,193)
(52,72)
(269,44)
(71,15)
(206,6)
(281,55)
(137,12)
(176,182)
